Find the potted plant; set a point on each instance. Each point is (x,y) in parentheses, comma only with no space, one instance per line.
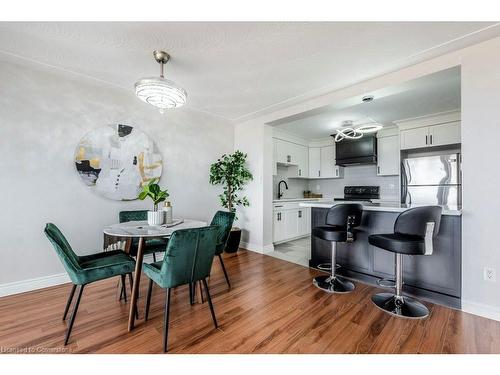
(231,171)
(153,190)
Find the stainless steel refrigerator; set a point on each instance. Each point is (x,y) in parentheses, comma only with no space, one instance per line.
(432,180)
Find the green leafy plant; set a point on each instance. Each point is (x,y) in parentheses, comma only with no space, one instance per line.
(231,171)
(153,191)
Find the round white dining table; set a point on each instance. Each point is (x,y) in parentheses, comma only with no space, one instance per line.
(141,230)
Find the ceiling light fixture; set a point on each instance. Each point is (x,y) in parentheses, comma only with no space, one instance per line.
(158,91)
(355,132)
(367,98)
(369,128)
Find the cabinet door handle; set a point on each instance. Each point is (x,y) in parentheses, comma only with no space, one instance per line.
(378,169)
(319,173)
(299,172)
(288,158)
(336,172)
(300,213)
(426,140)
(431,139)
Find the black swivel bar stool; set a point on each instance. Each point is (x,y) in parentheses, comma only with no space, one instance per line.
(340,223)
(414,232)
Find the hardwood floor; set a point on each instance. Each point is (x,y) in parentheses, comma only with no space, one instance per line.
(272,307)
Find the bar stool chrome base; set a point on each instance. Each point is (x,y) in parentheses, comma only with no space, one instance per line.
(400,306)
(334,284)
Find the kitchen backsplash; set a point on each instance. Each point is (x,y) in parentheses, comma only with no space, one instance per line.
(296,186)
(361,175)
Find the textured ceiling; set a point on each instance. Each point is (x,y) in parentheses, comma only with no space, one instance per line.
(438,92)
(239,70)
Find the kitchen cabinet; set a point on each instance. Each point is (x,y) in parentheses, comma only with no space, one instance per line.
(445,134)
(300,155)
(278,226)
(388,156)
(284,151)
(327,162)
(293,155)
(322,163)
(415,138)
(304,221)
(290,221)
(314,162)
(431,136)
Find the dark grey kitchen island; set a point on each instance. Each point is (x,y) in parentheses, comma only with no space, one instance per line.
(436,278)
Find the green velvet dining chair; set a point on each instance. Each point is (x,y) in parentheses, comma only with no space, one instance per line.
(86,269)
(151,245)
(224,221)
(188,259)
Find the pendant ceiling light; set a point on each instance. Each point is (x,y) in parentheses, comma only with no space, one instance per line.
(158,91)
(350,132)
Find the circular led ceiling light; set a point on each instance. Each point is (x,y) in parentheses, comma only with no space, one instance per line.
(347,133)
(158,91)
(369,128)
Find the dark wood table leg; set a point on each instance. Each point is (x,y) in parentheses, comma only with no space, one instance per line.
(137,280)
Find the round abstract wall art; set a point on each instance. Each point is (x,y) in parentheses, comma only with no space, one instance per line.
(116,160)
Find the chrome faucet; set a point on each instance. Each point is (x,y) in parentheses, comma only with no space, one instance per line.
(280,194)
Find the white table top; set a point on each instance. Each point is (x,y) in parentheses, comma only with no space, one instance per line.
(142,229)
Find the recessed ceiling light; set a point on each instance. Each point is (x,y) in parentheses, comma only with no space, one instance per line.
(367,98)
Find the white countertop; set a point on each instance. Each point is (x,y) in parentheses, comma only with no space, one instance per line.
(383,206)
(283,200)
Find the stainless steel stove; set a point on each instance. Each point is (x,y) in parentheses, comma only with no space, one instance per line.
(360,193)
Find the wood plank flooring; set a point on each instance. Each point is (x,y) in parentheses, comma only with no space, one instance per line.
(272,307)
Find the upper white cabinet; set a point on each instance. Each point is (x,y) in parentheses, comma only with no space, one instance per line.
(302,158)
(294,155)
(445,134)
(322,163)
(314,162)
(284,151)
(327,161)
(388,155)
(414,138)
(430,131)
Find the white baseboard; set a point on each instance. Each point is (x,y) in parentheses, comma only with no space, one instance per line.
(481,309)
(33,284)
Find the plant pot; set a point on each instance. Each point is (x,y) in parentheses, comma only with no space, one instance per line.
(156,217)
(233,242)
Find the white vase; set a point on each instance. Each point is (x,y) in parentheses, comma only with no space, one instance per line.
(156,217)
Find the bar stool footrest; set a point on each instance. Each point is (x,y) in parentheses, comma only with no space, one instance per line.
(386,283)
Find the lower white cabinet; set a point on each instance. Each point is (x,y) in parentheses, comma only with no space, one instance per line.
(290,221)
(278,226)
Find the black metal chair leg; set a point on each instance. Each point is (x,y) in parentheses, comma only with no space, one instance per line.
(131,280)
(210,302)
(154,257)
(148,300)
(124,289)
(166,320)
(201,293)
(224,270)
(73,315)
(191,294)
(70,299)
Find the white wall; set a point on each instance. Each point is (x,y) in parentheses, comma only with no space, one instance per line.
(480,69)
(43,115)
